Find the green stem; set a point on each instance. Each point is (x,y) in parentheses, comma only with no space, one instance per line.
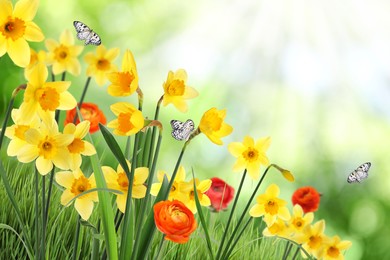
(76,238)
(287,250)
(296,253)
(63,76)
(247,207)
(238,238)
(127,234)
(147,197)
(156,114)
(231,215)
(82,98)
(9,110)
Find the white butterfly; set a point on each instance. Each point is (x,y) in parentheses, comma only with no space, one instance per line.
(360,173)
(85,33)
(181,131)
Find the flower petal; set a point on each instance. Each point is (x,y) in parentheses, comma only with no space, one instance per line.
(19,52)
(44,166)
(33,33)
(66,196)
(65,179)
(84,207)
(26,9)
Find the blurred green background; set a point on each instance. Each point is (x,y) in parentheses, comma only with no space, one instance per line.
(313,75)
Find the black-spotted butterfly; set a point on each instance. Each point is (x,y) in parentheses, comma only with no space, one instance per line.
(87,34)
(181,131)
(360,173)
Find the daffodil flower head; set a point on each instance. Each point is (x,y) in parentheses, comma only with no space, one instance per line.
(101,63)
(180,188)
(250,155)
(299,220)
(333,248)
(118,180)
(16,28)
(48,146)
(277,228)
(312,238)
(63,55)
(76,183)
(125,82)
(129,119)
(176,90)
(270,206)
(45,97)
(201,188)
(78,146)
(16,131)
(213,126)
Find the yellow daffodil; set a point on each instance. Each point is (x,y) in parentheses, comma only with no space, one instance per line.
(201,188)
(63,55)
(299,221)
(176,91)
(312,238)
(78,146)
(16,28)
(100,64)
(45,97)
(16,131)
(76,183)
(124,83)
(35,58)
(47,146)
(129,121)
(277,228)
(180,188)
(333,248)
(213,126)
(250,155)
(270,206)
(118,180)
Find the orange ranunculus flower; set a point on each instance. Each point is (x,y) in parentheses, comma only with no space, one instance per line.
(175,220)
(91,113)
(307,197)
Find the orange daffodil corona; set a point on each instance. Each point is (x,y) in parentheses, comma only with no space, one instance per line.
(125,82)
(176,91)
(130,120)
(63,55)
(213,126)
(16,28)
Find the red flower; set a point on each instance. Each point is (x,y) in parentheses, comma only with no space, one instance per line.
(307,197)
(220,194)
(90,112)
(175,220)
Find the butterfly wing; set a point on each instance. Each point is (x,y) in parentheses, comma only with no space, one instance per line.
(360,173)
(181,131)
(85,33)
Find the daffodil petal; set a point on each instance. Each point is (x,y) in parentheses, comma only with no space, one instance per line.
(121,202)
(44,166)
(27,153)
(139,191)
(5,11)
(33,33)
(84,207)
(26,9)
(19,52)
(65,179)
(89,149)
(66,196)
(256,211)
(141,175)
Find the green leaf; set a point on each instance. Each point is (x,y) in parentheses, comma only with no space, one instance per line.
(202,219)
(5,226)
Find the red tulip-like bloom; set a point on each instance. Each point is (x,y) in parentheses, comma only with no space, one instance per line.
(220,194)
(90,112)
(307,197)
